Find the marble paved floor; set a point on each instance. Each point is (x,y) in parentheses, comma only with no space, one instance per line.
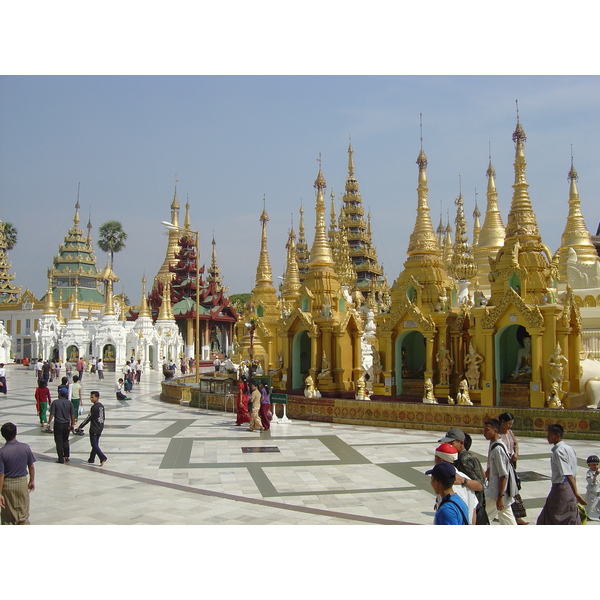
(176,465)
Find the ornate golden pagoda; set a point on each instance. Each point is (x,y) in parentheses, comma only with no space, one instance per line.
(424,263)
(291,287)
(172,244)
(576,235)
(338,239)
(491,237)
(462,264)
(369,275)
(523,258)
(144,308)
(264,303)
(302,252)
(319,332)
(524,321)
(418,322)
(214,272)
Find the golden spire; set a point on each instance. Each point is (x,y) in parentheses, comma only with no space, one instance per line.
(523,255)
(214,273)
(491,236)
(175,208)
(166,310)
(350,160)
(172,243)
(476,222)
(462,266)
(320,254)
(441,231)
(264,274)
(109,307)
(424,263)
(89,228)
(521,218)
(186,220)
(144,308)
(75,307)
(332,217)
(76,217)
(49,307)
(302,253)
(576,235)
(59,311)
(423,239)
(290,289)
(448,245)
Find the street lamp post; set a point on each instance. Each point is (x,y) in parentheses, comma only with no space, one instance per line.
(172,227)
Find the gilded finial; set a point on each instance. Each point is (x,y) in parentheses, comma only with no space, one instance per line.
(320,183)
(76,217)
(186,220)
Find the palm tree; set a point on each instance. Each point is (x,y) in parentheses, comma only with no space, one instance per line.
(111,238)
(10,235)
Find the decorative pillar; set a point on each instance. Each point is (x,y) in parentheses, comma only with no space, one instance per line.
(536,391)
(488,370)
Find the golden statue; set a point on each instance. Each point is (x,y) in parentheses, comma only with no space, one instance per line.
(428,397)
(554,398)
(472,362)
(310,391)
(445,363)
(557,364)
(361,389)
(463,398)
(325,372)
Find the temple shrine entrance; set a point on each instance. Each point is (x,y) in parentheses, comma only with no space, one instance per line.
(410,364)
(512,352)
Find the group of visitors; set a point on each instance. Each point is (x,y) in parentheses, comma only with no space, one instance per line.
(468,495)
(253,404)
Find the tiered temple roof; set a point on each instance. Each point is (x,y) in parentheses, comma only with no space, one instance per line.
(362,252)
(74,269)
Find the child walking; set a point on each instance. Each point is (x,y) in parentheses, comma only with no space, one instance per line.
(592,494)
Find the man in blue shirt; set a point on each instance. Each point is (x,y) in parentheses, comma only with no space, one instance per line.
(452,509)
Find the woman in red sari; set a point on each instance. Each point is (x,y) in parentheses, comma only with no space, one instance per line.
(243,416)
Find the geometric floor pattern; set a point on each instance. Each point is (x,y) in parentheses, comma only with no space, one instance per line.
(175,465)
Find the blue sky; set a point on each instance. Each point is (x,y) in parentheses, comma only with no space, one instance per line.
(232,140)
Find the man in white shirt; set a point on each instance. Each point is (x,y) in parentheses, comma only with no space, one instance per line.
(502,483)
(561,504)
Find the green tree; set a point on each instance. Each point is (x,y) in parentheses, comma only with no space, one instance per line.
(111,238)
(10,234)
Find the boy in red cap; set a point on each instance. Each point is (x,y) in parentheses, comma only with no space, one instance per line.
(465,487)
